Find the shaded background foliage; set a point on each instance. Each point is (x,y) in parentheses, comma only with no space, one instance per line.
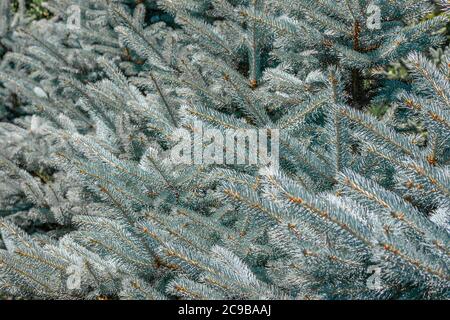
(46,219)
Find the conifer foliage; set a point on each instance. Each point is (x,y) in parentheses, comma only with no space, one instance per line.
(92,204)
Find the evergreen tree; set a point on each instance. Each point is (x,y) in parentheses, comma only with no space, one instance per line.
(358,207)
